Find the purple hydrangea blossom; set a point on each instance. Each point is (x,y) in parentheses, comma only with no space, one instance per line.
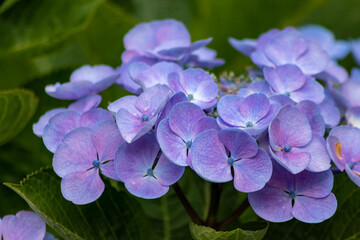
(125,81)
(276,48)
(64,122)
(25,225)
(353,117)
(135,116)
(255,87)
(214,155)
(293,143)
(335,49)
(84,81)
(198,86)
(146,174)
(355,47)
(248,46)
(167,40)
(176,133)
(204,57)
(305,196)
(148,76)
(81,156)
(351,88)
(289,80)
(252,114)
(329,111)
(82,105)
(313,115)
(175,99)
(343,145)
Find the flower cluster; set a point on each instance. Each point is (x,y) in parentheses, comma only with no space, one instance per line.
(266,135)
(24,225)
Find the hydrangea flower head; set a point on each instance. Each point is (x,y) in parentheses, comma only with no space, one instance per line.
(293,143)
(146,174)
(177,132)
(135,116)
(343,146)
(81,156)
(84,81)
(289,80)
(214,155)
(24,225)
(305,196)
(288,46)
(252,114)
(167,40)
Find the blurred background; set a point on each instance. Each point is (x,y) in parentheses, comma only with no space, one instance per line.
(42,42)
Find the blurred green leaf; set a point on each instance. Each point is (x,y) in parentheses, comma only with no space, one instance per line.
(102,40)
(115,215)
(16,109)
(343,225)
(34,26)
(199,232)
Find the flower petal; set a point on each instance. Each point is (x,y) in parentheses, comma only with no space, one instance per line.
(316,185)
(171,144)
(25,225)
(75,153)
(82,187)
(251,174)
(271,204)
(166,172)
(285,78)
(58,127)
(314,210)
(239,143)
(209,158)
(182,118)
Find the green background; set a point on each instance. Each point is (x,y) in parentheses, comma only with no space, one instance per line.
(42,42)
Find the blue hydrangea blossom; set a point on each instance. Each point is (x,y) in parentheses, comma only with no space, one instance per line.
(214,155)
(145,172)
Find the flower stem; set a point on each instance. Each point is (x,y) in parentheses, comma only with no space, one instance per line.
(189,209)
(216,189)
(233,216)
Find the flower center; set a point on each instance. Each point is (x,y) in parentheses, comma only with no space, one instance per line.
(190,97)
(287,94)
(150,172)
(188,144)
(292,194)
(96,163)
(145,118)
(249,124)
(287,148)
(230,161)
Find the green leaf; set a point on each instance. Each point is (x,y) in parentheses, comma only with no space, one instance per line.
(199,232)
(28,27)
(115,215)
(16,109)
(343,225)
